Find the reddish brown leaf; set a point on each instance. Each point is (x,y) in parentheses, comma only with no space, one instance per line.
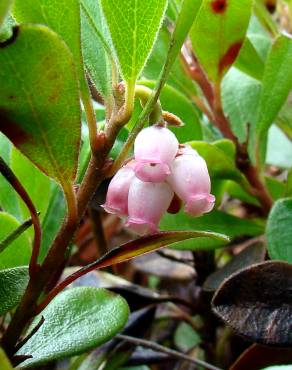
(257,303)
(258,357)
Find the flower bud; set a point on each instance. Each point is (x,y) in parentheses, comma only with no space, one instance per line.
(147,203)
(154,149)
(190,180)
(118,190)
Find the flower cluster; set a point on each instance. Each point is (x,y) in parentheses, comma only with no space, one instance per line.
(162,170)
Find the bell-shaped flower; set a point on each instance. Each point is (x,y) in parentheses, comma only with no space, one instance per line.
(155,148)
(147,203)
(190,180)
(118,190)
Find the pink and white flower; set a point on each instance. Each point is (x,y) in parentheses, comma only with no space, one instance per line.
(118,190)
(147,202)
(190,180)
(154,149)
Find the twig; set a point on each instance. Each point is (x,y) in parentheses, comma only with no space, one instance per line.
(168,351)
(187,261)
(15,234)
(31,334)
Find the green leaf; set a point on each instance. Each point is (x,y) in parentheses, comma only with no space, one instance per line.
(95,46)
(277,82)
(216,221)
(18,253)
(13,283)
(218,34)
(220,165)
(8,197)
(175,102)
(62,16)
(52,221)
(39,108)
(37,185)
(76,321)
(279,232)
(4,9)
(240,96)
(4,362)
(185,337)
(133,26)
(279,148)
(151,243)
(249,61)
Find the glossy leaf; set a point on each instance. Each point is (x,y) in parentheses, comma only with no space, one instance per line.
(256,302)
(216,221)
(218,34)
(277,82)
(91,315)
(95,46)
(279,233)
(258,356)
(12,286)
(18,253)
(4,8)
(254,253)
(44,124)
(133,26)
(151,243)
(240,96)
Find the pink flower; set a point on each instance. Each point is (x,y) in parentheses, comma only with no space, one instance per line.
(190,180)
(154,149)
(118,190)
(147,203)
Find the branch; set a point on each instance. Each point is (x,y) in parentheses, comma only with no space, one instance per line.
(172,353)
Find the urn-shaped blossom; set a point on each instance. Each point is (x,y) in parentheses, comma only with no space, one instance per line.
(118,190)
(147,202)
(154,150)
(190,180)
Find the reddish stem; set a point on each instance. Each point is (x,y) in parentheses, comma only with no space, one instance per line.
(17,186)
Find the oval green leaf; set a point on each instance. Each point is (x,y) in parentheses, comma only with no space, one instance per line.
(76,321)
(218,34)
(39,108)
(279,232)
(12,286)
